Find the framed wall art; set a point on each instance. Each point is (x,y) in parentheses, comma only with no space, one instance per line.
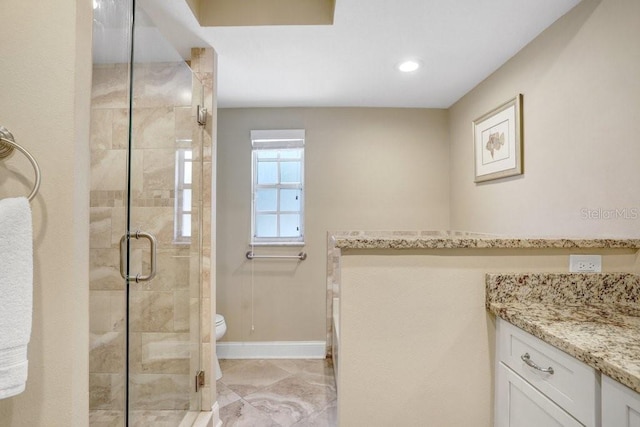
(497,142)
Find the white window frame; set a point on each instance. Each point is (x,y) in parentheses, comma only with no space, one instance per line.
(277,140)
(181,185)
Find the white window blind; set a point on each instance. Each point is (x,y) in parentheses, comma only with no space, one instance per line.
(277,186)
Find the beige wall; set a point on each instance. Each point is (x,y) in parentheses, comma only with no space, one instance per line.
(211,13)
(365,169)
(204,63)
(430,355)
(416,342)
(581,125)
(45,84)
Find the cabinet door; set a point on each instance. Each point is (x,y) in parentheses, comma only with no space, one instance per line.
(620,404)
(518,404)
(574,386)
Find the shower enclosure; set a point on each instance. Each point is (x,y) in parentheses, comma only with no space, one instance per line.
(150,235)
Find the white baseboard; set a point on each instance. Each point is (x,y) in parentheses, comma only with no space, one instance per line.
(204,419)
(271,350)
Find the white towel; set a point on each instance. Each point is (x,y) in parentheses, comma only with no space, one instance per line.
(16,293)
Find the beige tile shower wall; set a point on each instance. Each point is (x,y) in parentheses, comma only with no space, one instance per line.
(374,168)
(107,305)
(333,288)
(203,64)
(581,89)
(162,122)
(161,322)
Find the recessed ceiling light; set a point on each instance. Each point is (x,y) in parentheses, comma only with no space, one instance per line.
(409,66)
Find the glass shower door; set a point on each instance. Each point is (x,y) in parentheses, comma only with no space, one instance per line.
(164,217)
(146,219)
(110,117)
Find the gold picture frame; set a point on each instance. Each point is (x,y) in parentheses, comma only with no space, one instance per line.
(497,142)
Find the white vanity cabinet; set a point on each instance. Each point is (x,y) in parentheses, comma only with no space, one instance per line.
(519,404)
(620,405)
(539,385)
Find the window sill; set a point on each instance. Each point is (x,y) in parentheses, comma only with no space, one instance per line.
(298,244)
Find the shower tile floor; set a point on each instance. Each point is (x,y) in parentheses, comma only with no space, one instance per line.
(277,393)
(156,418)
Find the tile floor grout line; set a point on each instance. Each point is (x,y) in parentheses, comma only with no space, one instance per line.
(309,383)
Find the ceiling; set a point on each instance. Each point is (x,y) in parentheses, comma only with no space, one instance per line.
(353,62)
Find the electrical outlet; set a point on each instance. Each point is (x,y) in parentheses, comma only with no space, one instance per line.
(585,263)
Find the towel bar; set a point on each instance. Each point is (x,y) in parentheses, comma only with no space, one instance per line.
(301,256)
(7,144)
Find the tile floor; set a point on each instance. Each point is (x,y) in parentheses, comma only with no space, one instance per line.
(155,418)
(277,393)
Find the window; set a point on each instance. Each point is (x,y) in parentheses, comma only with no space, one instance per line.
(277,186)
(182,228)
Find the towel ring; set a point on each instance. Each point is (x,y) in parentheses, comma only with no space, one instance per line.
(7,144)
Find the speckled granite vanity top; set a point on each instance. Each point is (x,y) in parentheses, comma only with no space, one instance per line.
(593,317)
(459,240)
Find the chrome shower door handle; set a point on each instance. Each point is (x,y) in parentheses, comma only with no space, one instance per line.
(152,259)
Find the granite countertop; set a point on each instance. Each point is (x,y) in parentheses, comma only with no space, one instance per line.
(593,317)
(459,240)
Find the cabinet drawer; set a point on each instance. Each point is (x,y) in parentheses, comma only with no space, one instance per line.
(574,386)
(524,406)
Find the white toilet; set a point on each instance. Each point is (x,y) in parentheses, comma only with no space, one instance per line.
(221,328)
